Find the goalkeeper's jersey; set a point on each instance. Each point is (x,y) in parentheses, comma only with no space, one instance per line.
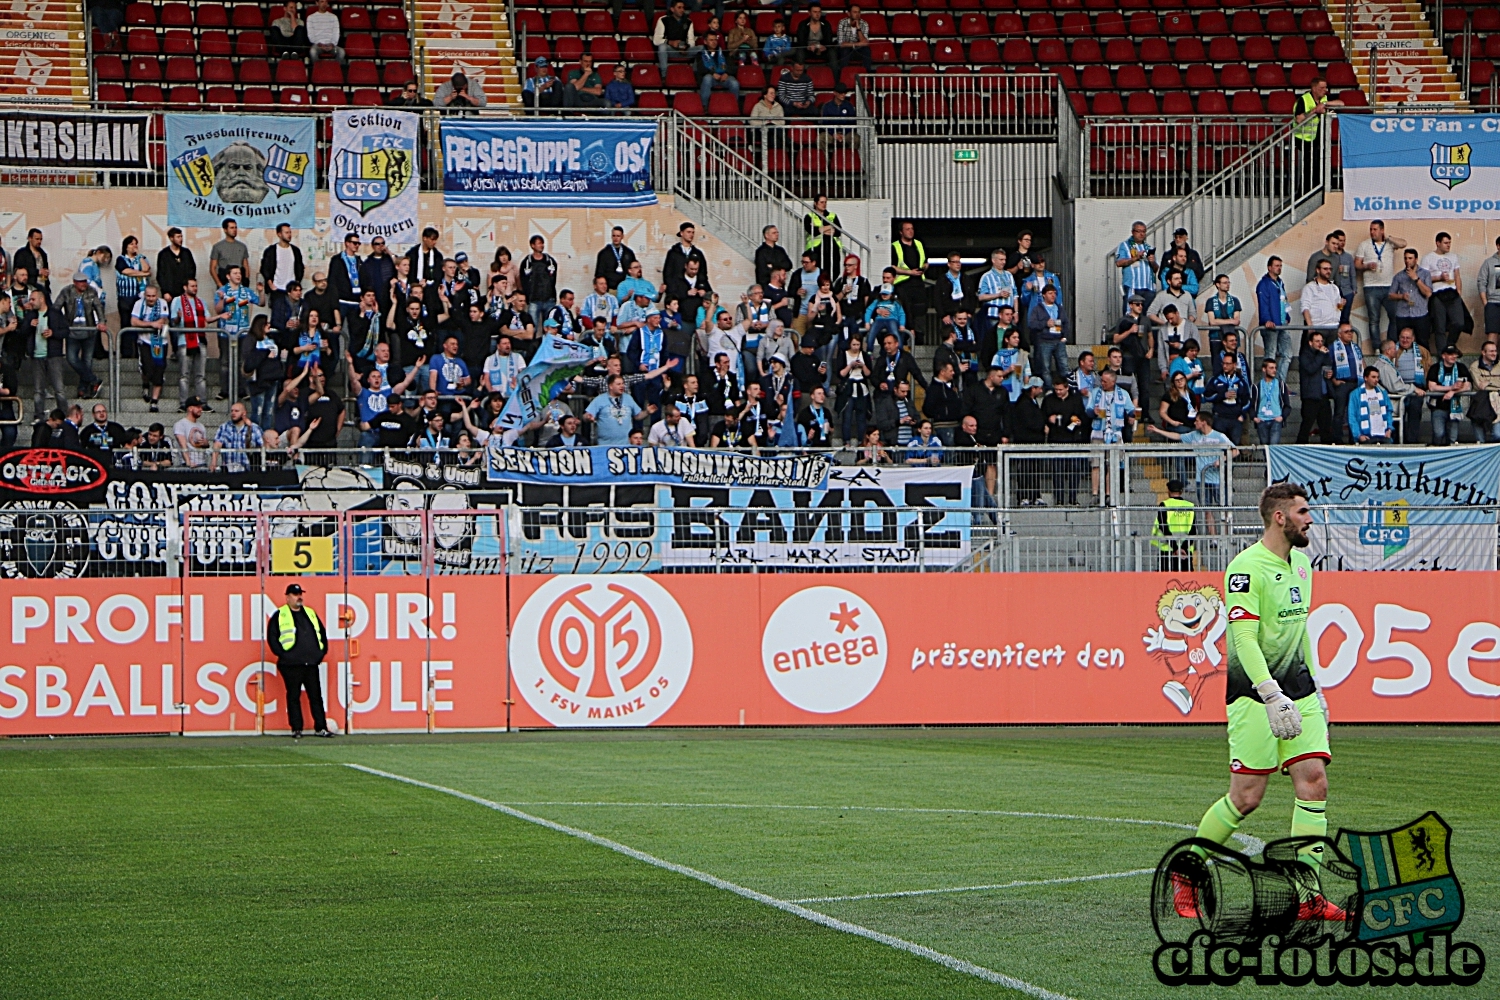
(1260,587)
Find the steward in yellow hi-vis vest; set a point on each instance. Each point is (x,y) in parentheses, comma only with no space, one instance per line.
(297,638)
(1173,530)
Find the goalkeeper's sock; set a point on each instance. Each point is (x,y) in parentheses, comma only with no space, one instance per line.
(1219,823)
(1310,819)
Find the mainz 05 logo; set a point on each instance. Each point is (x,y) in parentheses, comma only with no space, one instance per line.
(1380,910)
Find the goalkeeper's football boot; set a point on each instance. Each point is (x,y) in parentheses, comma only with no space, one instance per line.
(1184,896)
(1319,908)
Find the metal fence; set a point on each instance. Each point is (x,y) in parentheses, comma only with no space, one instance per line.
(990,105)
(808,158)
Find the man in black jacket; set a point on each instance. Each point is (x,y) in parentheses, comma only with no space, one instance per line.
(539,279)
(988,402)
(297,639)
(281,264)
(1067,424)
(426,259)
(55,432)
(613,262)
(376,272)
(175,265)
(1030,424)
(34,259)
(769,256)
(895,365)
(1315,366)
(681,252)
(942,404)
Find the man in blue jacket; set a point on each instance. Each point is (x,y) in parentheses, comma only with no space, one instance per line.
(1049,327)
(1232,396)
(1271,304)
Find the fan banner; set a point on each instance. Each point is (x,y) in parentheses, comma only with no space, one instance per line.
(259,170)
(762,649)
(1396,508)
(1417,166)
(59,140)
(374,176)
(537,163)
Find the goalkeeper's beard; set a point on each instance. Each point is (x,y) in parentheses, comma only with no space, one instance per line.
(1296,536)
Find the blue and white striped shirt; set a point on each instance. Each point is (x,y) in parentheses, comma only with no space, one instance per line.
(126,286)
(999,283)
(605,305)
(1137,275)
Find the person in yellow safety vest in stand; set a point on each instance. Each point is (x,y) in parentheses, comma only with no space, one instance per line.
(1311,106)
(300,642)
(822,229)
(1173,531)
(909,261)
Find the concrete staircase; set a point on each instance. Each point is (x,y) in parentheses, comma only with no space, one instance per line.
(472,38)
(1410,65)
(43,52)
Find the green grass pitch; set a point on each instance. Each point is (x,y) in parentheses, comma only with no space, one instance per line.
(262,868)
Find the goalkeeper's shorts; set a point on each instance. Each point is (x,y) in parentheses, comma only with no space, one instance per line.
(1254,750)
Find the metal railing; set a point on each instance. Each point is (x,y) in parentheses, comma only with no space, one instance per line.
(807,157)
(721,185)
(972,105)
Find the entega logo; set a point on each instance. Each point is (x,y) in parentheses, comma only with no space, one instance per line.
(824,649)
(1224,917)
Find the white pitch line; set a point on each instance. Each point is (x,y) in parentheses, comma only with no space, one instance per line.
(156,767)
(813,916)
(976,888)
(1252,845)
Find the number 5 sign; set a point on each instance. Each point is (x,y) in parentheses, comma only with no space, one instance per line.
(295,556)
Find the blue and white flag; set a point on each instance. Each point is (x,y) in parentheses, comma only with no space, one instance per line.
(256,169)
(1396,508)
(1420,166)
(373,175)
(555,362)
(536,163)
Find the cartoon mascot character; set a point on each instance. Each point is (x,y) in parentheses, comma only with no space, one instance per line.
(1192,627)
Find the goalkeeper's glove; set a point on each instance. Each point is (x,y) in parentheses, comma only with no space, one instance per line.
(1285,719)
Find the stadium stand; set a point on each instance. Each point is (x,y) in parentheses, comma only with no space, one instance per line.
(1470,35)
(42,50)
(1411,66)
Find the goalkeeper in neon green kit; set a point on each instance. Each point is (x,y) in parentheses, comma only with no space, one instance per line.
(1278,719)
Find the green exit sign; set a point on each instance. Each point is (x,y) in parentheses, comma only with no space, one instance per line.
(965,155)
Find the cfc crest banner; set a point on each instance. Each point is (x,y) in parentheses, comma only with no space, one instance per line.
(373,176)
(1420,166)
(496,163)
(1396,508)
(257,170)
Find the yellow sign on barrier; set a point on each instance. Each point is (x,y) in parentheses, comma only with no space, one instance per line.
(302,555)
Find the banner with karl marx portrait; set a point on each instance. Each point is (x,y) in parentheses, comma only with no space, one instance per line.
(259,170)
(373,174)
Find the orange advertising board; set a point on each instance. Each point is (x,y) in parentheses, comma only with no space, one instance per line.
(96,656)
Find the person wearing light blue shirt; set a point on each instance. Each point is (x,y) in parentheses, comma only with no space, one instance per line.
(997,288)
(232,302)
(1209,448)
(1036,282)
(613,414)
(635,285)
(600,303)
(1136,260)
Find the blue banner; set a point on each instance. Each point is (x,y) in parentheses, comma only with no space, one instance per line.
(536,163)
(606,464)
(1396,508)
(259,170)
(555,362)
(1420,166)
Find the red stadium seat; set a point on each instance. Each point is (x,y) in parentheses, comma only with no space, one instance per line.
(295,97)
(1141,103)
(1108,104)
(1077,25)
(1235,76)
(179,42)
(1247,22)
(390,19)
(397,47)
(1080,105)
(531,20)
(1213,22)
(751,77)
(354,19)
(367,97)
(822,77)
(259,96)
(844,161)
(176,15)
(688,103)
(145,69)
(1016,52)
(1096,78)
(1341,75)
(1315,22)
(882,52)
(218,70)
(142,41)
(1086,50)
(932,106)
(250,44)
(941,26)
(362,73)
(1119,51)
(291,72)
(605,49)
(598,22)
(326,73)
(1160,159)
(1041,26)
(1165,76)
(1293,49)
(645,76)
(680,77)
(221,97)
(1009,24)
(915,52)
(1258,50)
(214,42)
(1223,50)
(182,69)
(1132,77)
(1302,75)
(949,53)
(1200,76)
(331,97)
(1247,102)
(563,22)
(1110,24)
(247,15)
(1189,50)
(638,49)
(1327,48)
(395,74)
(110,93)
(1270,76)
(140,14)
(633,22)
(148,94)
(812,161)
(1281,102)
(210,16)
(109,67)
(1485,20)
(1354,98)
(1281,22)
(1144,23)
(1178,24)
(906,26)
(1155,50)
(254,71)
(566,50)
(1176,103)
(652,101)
(984,52)
(1051,51)
(1491,49)
(1212,103)
(722,104)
